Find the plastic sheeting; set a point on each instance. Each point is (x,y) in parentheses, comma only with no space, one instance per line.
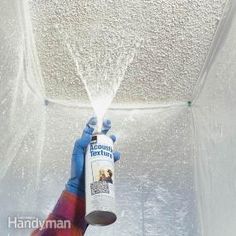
(214,113)
(178,170)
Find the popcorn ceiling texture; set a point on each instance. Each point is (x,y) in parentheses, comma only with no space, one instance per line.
(174,36)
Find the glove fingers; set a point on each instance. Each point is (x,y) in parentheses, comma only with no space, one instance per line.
(113,137)
(116,156)
(86,137)
(82,143)
(106,125)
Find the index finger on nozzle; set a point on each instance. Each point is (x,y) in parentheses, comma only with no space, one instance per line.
(90,126)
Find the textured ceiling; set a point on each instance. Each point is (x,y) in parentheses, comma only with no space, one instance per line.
(169,42)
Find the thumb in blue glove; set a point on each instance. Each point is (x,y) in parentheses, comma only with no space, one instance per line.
(76,183)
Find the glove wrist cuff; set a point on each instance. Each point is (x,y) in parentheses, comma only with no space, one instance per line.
(75,189)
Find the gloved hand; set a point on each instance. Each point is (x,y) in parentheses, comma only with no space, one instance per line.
(76,184)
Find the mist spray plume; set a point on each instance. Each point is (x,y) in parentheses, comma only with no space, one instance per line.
(101,60)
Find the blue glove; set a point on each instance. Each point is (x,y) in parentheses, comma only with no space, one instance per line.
(76,184)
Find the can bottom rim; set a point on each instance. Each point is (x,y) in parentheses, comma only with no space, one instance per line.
(101,218)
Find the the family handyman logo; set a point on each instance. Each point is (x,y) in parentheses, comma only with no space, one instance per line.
(28,222)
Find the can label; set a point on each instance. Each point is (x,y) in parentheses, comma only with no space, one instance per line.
(100,175)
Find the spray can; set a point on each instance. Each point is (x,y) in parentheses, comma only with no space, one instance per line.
(99,181)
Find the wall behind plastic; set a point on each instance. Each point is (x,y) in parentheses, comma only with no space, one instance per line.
(214,116)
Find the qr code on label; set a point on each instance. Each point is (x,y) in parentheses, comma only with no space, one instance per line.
(99,187)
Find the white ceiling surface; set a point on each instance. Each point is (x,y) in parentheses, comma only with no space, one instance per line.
(174,39)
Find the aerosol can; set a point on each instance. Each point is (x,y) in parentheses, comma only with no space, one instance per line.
(99,181)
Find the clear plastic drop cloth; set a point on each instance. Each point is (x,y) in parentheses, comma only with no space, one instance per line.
(215,142)
(177,174)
